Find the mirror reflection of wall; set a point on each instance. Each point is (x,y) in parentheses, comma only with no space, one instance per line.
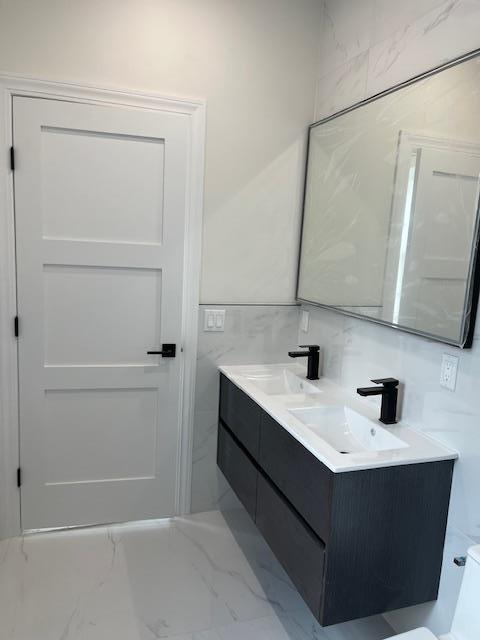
(391,206)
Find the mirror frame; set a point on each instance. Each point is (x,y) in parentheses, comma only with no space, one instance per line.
(472,294)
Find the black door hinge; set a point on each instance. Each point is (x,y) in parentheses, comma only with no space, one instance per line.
(15,326)
(19,477)
(12,158)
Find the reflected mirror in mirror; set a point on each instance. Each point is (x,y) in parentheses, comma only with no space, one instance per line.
(391,205)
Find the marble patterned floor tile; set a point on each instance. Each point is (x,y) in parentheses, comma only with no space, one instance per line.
(65,586)
(269,628)
(249,582)
(204,577)
(170,582)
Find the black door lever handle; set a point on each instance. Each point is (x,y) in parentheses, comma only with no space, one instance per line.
(169,350)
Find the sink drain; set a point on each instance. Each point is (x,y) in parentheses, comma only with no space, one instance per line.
(344,452)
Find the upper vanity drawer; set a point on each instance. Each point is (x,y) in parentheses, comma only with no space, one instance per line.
(299,475)
(241,414)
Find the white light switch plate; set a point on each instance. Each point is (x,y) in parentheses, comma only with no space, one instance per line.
(448,371)
(214,320)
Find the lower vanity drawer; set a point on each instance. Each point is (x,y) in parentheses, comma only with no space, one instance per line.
(295,545)
(301,478)
(238,469)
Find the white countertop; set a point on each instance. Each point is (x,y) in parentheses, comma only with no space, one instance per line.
(421,448)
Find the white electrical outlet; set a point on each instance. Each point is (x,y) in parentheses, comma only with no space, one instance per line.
(448,371)
(214,320)
(304,321)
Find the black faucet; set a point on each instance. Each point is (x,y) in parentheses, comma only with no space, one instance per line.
(313,355)
(389,393)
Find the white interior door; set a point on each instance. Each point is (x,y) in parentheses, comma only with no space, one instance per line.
(444,210)
(100,217)
(434,214)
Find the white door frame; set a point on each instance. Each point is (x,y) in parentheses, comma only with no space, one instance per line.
(9,410)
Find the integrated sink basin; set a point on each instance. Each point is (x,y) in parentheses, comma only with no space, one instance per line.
(346,430)
(280,381)
(339,429)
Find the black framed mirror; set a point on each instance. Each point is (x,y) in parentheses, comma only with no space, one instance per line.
(390,219)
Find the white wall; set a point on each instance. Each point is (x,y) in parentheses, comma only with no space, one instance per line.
(253,60)
(366,47)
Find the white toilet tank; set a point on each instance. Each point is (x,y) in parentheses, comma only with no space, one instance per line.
(466,622)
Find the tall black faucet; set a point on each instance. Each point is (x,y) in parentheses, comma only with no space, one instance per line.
(389,393)
(313,355)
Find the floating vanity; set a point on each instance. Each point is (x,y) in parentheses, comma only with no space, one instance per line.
(354,511)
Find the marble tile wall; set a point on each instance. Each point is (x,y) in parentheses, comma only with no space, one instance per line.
(366,47)
(253,334)
(371,45)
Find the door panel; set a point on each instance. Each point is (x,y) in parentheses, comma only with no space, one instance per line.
(100,213)
(131,170)
(80,302)
(80,421)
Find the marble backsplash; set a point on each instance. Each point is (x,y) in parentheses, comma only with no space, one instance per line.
(254,334)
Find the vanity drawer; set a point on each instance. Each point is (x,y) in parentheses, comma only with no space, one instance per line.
(294,544)
(241,414)
(238,469)
(298,474)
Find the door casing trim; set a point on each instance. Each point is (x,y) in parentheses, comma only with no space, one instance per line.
(195,109)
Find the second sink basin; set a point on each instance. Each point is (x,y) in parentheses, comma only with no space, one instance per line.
(346,430)
(280,382)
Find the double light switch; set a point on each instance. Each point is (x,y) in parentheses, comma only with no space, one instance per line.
(214,320)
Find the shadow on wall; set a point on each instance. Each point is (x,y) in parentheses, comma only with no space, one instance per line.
(263,218)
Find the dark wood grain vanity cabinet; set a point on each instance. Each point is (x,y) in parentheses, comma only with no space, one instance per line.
(354,543)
